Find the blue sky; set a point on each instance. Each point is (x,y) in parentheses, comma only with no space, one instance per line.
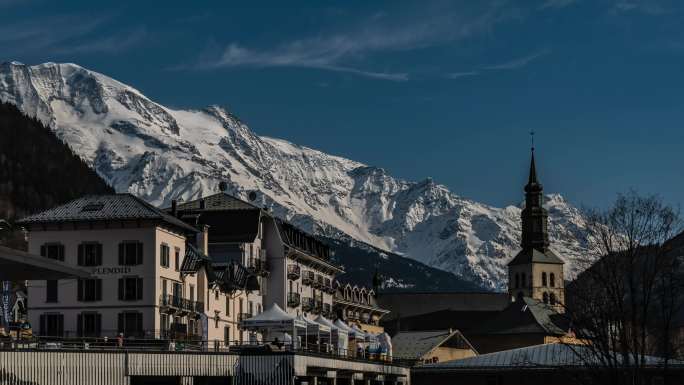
(445,89)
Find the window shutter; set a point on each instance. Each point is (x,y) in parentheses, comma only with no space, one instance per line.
(43,330)
(139,254)
(120,323)
(60,325)
(98,324)
(80,254)
(60,251)
(98,290)
(99,254)
(139,288)
(79,324)
(121,253)
(79,290)
(43,252)
(121,289)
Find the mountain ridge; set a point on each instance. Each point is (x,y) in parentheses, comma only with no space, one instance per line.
(160,154)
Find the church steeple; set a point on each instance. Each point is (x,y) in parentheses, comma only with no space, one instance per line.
(534,216)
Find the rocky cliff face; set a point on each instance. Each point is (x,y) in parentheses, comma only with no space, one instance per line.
(160,154)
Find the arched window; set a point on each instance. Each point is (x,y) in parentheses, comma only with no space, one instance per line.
(543,278)
(522,279)
(517,280)
(546,297)
(552,299)
(552,280)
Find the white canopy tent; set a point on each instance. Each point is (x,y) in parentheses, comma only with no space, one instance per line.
(338,336)
(275,320)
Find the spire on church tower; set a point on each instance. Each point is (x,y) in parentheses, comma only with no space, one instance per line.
(534,216)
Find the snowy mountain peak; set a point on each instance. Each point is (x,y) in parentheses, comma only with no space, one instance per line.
(160,154)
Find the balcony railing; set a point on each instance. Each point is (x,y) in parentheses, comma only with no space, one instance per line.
(293,271)
(258,266)
(180,304)
(293,299)
(308,277)
(318,282)
(307,304)
(318,307)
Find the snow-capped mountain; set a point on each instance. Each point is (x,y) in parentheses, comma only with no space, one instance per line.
(161,154)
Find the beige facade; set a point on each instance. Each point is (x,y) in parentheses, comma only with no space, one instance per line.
(541,281)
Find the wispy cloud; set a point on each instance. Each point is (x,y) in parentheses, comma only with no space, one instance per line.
(458,75)
(650,7)
(348,50)
(519,62)
(65,34)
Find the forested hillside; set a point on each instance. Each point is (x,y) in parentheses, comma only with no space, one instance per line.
(37,170)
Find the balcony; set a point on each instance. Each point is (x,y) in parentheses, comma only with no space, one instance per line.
(293,271)
(307,304)
(318,307)
(328,286)
(257,266)
(318,282)
(176,304)
(293,299)
(308,277)
(243,316)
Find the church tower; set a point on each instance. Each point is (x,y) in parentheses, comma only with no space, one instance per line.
(536,271)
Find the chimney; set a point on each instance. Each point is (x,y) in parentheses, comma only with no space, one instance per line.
(174,207)
(202,204)
(202,240)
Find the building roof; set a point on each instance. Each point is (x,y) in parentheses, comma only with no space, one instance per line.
(408,304)
(220,201)
(528,316)
(531,255)
(20,265)
(531,357)
(302,241)
(108,207)
(439,320)
(417,344)
(194,260)
(232,226)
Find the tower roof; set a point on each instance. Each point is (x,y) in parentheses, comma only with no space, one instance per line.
(533,184)
(532,255)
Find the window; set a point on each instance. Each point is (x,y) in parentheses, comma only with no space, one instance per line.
(543,279)
(52,251)
(258,308)
(227,305)
(164,322)
(89,324)
(164,255)
(216,294)
(192,293)
(130,324)
(545,297)
(51,291)
(251,308)
(177,290)
(165,290)
(552,280)
(90,254)
(226,335)
(52,325)
(130,289)
(130,253)
(177,259)
(89,290)
(241,306)
(552,299)
(216,320)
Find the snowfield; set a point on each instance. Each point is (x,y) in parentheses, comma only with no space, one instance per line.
(162,154)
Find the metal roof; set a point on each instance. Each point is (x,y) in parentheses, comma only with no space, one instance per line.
(219,201)
(523,317)
(102,208)
(531,357)
(415,345)
(19,265)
